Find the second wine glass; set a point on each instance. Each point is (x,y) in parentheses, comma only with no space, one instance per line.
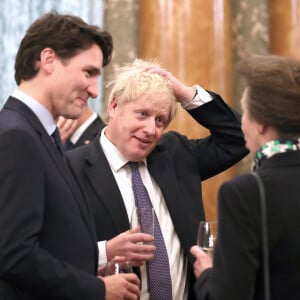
(207,235)
(117,267)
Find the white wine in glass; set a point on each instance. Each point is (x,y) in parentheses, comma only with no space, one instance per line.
(207,235)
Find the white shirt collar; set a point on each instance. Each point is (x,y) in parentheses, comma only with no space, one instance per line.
(79,131)
(38,109)
(115,159)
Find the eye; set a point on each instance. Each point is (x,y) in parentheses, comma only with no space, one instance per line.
(160,122)
(142,113)
(87,73)
(91,72)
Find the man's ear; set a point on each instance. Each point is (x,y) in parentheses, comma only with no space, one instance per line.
(113,104)
(47,58)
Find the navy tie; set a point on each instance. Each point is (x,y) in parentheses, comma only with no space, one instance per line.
(158,269)
(57,141)
(68,145)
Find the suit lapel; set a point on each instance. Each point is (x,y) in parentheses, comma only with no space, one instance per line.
(46,140)
(100,176)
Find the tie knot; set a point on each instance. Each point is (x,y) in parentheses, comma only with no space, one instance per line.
(133,165)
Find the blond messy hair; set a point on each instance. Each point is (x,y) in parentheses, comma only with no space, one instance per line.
(132,81)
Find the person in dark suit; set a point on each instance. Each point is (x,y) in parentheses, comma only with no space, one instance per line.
(141,105)
(48,244)
(271,125)
(78,132)
(91,131)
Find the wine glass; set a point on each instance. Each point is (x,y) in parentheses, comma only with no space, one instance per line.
(118,267)
(207,235)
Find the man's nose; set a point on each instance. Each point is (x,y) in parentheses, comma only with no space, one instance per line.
(150,126)
(93,88)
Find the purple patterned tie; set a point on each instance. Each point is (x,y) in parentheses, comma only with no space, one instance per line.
(158,269)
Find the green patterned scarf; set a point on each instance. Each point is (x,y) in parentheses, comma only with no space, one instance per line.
(274,147)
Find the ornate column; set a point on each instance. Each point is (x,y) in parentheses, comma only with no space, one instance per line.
(250,35)
(285,27)
(120,21)
(192,39)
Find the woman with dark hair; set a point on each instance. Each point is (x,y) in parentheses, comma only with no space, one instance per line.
(271,125)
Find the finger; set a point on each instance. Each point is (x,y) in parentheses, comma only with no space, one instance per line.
(159,71)
(135,229)
(118,259)
(151,67)
(137,263)
(133,292)
(131,278)
(60,121)
(101,271)
(196,270)
(143,248)
(140,258)
(69,124)
(141,237)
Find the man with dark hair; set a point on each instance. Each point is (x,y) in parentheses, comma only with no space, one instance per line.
(48,242)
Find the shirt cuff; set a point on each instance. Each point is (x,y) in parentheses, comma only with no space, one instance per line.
(201,97)
(102,258)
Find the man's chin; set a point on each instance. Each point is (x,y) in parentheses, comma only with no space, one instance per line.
(139,156)
(75,114)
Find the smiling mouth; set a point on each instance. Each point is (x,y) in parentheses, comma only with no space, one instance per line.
(144,141)
(83,100)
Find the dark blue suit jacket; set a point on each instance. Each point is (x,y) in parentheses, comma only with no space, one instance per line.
(177,164)
(48,245)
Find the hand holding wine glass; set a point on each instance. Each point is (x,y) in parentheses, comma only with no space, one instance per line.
(207,235)
(117,265)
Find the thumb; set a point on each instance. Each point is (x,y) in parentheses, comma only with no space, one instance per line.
(195,250)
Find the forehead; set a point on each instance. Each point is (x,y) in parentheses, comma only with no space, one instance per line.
(156,102)
(92,55)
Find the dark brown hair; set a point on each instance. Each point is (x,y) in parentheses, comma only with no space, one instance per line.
(65,34)
(273,91)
